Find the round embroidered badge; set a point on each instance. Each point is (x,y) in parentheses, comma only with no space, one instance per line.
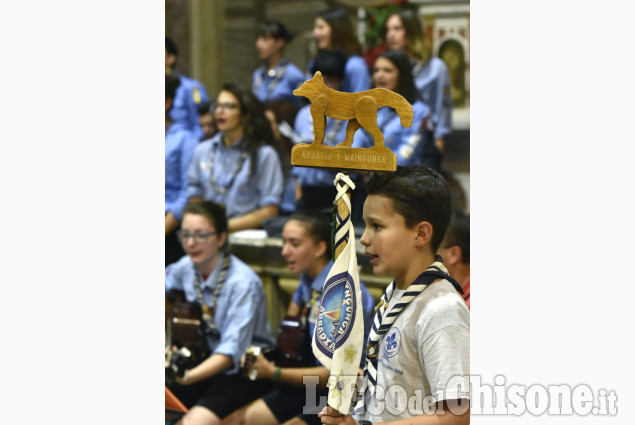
(337,310)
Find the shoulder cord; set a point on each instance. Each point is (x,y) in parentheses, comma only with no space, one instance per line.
(274,83)
(209,311)
(220,189)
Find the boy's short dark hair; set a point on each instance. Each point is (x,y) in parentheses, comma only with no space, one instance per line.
(331,63)
(458,234)
(418,194)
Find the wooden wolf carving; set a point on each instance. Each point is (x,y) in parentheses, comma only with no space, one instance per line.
(361,111)
(360,108)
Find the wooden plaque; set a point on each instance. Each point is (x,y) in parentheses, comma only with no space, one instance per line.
(360,109)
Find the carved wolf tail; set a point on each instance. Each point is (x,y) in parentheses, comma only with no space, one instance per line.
(400,104)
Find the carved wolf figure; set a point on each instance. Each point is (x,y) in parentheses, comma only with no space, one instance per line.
(359,108)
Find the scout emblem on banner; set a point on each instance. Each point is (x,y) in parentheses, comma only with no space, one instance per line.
(339,328)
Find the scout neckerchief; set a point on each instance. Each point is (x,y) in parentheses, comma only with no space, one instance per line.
(222,190)
(208,311)
(278,73)
(382,322)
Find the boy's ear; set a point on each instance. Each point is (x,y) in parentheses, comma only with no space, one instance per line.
(424,233)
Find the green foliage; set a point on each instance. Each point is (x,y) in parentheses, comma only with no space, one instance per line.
(376,16)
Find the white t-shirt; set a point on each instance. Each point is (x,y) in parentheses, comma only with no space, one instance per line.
(424,357)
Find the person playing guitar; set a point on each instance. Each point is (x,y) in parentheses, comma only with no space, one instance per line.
(232,316)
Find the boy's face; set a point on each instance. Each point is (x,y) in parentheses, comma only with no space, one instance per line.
(388,241)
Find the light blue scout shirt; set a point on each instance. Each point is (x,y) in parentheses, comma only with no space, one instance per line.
(245,193)
(334,133)
(304,291)
(240,313)
(189,95)
(432,80)
(407,143)
(179,148)
(288,196)
(287,78)
(356,75)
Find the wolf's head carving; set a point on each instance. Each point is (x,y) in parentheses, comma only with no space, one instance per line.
(311,87)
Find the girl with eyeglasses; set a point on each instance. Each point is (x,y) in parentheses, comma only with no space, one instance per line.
(234,316)
(240,166)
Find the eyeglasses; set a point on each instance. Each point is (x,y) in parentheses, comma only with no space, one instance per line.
(228,106)
(199,237)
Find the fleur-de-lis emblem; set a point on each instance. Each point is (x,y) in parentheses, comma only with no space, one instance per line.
(390,341)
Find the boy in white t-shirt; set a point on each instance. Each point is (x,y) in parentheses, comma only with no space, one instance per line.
(418,354)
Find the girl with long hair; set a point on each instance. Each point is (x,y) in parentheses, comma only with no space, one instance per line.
(232,302)
(333,30)
(240,166)
(391,71)
(307,250)
(403,31)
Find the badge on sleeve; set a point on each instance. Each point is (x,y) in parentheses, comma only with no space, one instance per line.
(196,94)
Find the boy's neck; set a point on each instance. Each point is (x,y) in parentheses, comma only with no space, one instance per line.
(417,266)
